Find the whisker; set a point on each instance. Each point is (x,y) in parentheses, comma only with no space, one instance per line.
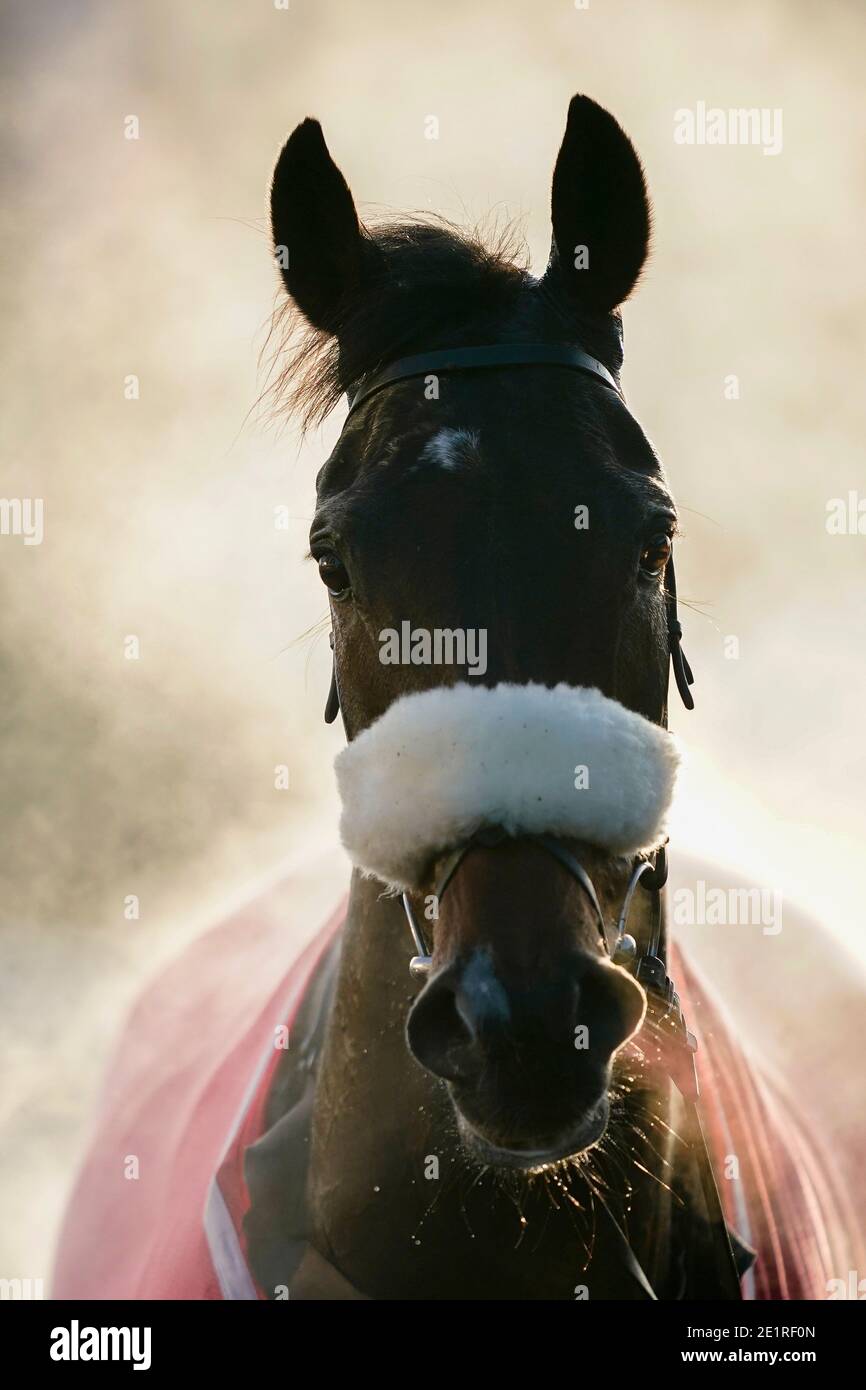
(314,631)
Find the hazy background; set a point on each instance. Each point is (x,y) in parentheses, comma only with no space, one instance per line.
(149,257)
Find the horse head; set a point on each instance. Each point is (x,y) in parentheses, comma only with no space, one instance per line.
(495,543)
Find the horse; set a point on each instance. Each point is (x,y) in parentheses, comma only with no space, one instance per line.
(492,1075)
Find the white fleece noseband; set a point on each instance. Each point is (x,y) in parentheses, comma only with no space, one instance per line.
(439,765)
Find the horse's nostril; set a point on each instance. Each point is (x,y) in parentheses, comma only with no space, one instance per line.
(464,1017)
(612,1004)
(439,1030)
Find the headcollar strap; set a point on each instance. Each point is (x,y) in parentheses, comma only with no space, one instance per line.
(474,358)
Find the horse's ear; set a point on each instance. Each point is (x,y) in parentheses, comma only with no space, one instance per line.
(600,211)
(318,241)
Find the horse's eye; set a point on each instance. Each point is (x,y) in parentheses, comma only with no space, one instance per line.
(333,575)
(655,556)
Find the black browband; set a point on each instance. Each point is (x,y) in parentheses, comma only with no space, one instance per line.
(475,358)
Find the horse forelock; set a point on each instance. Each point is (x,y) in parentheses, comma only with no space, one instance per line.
(428,284)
